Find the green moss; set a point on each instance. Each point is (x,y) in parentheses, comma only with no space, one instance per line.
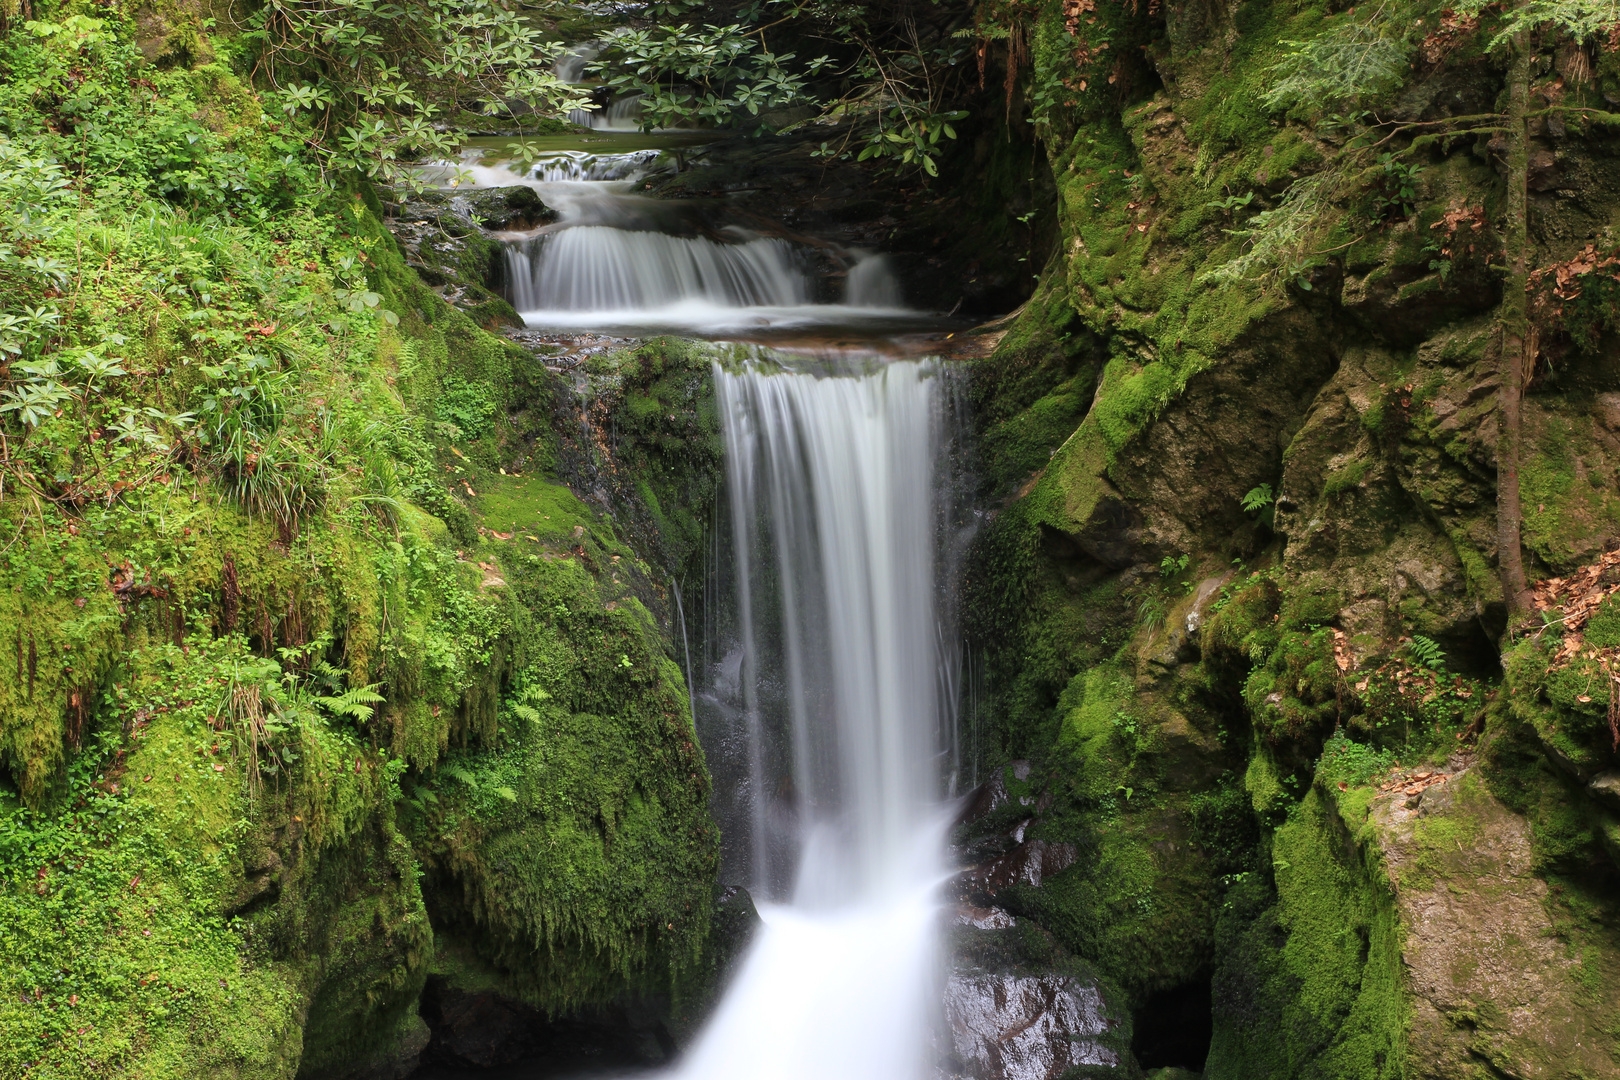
(1548,702)
(1438,841)
(131,911)
(532,506)
(1564,509)
(658,399)
(577,854)
(1266,792)
(1310,980)
(1602,630)
(1138,904)
(1346,478)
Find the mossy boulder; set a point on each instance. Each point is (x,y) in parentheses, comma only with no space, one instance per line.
(508,208)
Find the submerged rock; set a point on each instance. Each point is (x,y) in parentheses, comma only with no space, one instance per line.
(517,207)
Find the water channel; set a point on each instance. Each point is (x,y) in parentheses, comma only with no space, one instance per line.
(825,705)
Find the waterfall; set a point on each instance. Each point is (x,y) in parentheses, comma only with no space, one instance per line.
(872,284)
(555,167)
(834,516)
(621,114)
(597,268)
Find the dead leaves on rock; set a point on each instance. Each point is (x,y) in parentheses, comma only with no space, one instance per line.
(1343,657)
(1414,782)
(1579,596)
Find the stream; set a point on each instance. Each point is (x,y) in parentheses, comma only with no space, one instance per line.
(828,698)
(825,711)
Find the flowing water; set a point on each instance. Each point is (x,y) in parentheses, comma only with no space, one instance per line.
(824,711)
(620,114)
(836,717)
(620,262)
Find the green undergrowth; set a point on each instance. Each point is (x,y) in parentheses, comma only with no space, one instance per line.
(132,939)
(1310,977)
(309,648)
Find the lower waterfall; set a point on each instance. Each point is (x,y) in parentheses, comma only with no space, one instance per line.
(839,719)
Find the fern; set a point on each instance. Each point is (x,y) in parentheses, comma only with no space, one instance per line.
(456,772)
(524,701)
(1427,651)
(1258,498)
(1278,238)
(355,703)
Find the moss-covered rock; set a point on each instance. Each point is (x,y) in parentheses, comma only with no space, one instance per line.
(317,655)
(1271,534)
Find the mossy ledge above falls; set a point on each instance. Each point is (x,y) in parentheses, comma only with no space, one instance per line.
(344,685)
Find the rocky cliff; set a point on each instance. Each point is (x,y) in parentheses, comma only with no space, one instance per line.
(1239,603)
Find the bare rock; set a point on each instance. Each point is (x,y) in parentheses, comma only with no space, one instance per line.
(1024,1027)
(1490,981)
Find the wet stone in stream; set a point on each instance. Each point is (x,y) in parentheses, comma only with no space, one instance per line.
(1023,1027)
(1016,1005)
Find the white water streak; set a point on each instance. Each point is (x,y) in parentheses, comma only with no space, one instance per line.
(595,268)
(834,477)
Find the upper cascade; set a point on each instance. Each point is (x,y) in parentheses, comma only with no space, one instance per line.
(618,259)
(621,114)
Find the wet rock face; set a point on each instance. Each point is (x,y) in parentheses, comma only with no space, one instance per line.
(1026,862)
(517,208)
(1017,1006)
(1001,857)
(442,242)
(1023,1027)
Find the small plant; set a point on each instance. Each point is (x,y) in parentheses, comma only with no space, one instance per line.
(1150,613)
(1171,565)
(1125,723)
(1232,203)
(1258,499)
(1427,651)
(468,406)
(1397,188)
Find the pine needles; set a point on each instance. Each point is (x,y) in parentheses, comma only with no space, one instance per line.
(1350,61)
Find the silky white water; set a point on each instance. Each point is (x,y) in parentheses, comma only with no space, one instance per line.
(620,262)
(833,507)
(558,166)
(595,268)
(607,267)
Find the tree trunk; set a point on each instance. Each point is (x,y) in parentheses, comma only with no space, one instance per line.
(1515,337)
